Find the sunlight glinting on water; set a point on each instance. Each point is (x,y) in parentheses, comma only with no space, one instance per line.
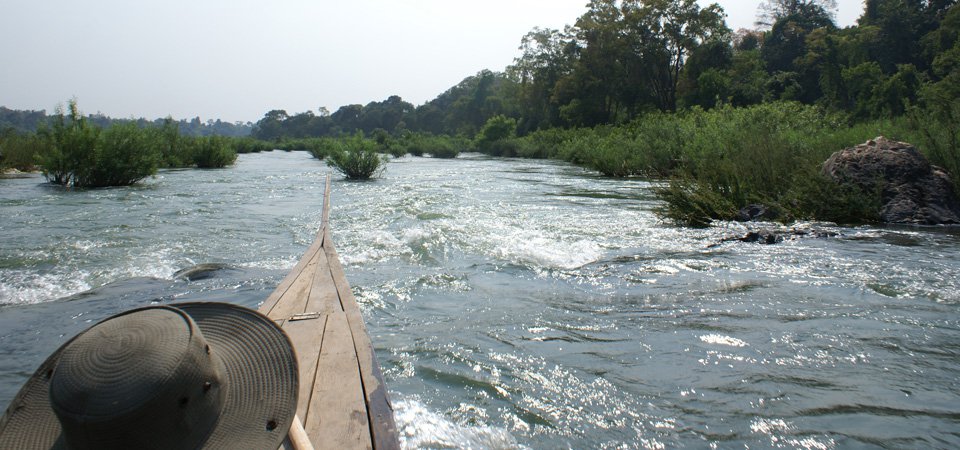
(531,304)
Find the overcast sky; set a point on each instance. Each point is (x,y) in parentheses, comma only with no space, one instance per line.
(237,59)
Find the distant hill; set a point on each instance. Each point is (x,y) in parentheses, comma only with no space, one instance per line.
(28,121)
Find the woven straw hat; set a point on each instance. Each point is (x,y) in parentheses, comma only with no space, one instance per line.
(185,376)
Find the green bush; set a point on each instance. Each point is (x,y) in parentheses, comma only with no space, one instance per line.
(247,144)
(357,158)
(769,154)
(445,147)
(175,151)
(938,127)
(21,151)
(418,144)
(321,148)
(123,156)
(72,147)
(544,143)
(581,145)
(212,152)
(491,137)
(688,202)
(79,154)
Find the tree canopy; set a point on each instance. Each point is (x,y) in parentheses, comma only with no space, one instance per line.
(627,58)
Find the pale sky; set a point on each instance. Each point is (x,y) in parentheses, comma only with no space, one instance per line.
(237,59)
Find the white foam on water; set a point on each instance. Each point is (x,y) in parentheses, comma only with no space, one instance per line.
(378,245)
(421,428)
(278,263)
(416,235)
(539,251)
(22,287)
(718,339)
(28,286)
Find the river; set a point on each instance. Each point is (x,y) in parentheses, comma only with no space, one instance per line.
(526,304)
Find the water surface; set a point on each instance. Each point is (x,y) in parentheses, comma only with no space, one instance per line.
(526,304)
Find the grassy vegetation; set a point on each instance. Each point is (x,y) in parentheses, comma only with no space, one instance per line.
(718,161)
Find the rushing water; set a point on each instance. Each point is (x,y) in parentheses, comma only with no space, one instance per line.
(526,304)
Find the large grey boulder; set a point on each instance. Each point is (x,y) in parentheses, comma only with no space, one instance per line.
(912,190)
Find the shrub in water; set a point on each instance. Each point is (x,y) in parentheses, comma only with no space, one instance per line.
(212,152)
(357,158)
(123,156)
(249,145)
(320,148)
(72,146)
(20,151)
(174,150)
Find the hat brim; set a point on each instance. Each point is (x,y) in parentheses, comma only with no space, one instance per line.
(261,385)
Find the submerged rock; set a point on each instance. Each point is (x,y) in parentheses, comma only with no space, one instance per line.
(912,190)
(769,236)
(755,212)
(200,271)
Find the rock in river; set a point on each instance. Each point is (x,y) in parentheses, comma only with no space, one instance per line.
(912,190)
(200,271)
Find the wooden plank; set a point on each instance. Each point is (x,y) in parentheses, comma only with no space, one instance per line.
(383,428)
(342,400)
(307,338)
(308,256)
(267,306)
(337,415)
(323,292)
(293,301)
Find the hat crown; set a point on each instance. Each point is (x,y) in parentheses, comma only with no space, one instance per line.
(139,380)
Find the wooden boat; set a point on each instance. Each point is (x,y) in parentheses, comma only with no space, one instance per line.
(343,401)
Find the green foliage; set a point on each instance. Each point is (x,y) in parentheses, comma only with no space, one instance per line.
(769,154)
(418,144)
(175,150)
(20,150)
(623,59)
(248,144)
(544,143)
(357,158)
(121,157)
(79,154)
(494,137)
(938,126)
(690,203)
(721,160)
(72,149)
(212,152)
(320,148)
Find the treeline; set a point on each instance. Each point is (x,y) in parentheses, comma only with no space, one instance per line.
(664,89)
(624,59)
(12,120)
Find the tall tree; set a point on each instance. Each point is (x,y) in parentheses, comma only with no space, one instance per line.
(665,32)
(547,55)
(770,11)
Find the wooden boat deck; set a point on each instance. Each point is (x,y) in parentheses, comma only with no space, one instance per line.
(343,401)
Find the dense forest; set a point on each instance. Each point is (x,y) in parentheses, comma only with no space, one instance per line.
(623,59)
